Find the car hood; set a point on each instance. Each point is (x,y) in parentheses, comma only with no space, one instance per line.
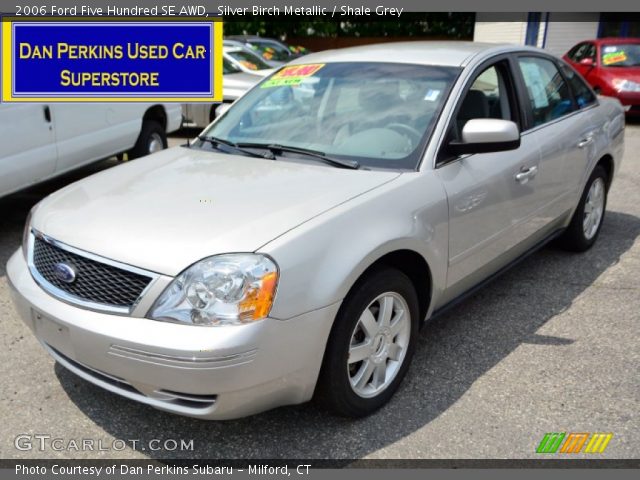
(629,73)
(264,72)
(170,209)
(243,81)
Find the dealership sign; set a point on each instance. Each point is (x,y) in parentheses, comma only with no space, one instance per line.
(48,61)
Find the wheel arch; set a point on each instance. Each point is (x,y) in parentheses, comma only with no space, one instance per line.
(606,161)
(156,113)
(414,266)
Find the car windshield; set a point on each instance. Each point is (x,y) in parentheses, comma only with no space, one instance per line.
(248,59)
(270,50)
(228,67)
(621,55)
(379,115)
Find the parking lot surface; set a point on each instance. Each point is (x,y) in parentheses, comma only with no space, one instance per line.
(551,346)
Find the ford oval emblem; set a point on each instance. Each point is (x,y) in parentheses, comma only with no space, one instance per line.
(65,273)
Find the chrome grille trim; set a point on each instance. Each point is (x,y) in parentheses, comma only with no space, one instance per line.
(220,360)
(76,300)
(187,399)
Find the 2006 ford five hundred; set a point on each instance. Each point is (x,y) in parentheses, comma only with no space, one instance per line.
(295,247)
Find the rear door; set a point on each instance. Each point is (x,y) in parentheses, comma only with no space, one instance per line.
(28,150)
(562,130)
(584,148)
(491,204)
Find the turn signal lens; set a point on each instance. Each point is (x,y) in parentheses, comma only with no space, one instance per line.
(257,303)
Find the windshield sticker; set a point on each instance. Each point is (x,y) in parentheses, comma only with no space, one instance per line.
(432,95)
(249,65)
(293,75)
(614,57)
(610,49)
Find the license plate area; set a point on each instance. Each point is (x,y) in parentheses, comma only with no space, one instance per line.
(52,333)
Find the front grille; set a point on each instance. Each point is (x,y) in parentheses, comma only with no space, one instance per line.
(95,282)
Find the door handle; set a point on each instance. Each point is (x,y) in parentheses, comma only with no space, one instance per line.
(585,141)
(526,174)
(47,113)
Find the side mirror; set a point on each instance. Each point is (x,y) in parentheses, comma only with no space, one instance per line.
(587,62)
(484,135)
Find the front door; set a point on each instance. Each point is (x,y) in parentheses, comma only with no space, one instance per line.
(491,195)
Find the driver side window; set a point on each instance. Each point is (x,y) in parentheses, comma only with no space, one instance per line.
(488,97)
(582,51)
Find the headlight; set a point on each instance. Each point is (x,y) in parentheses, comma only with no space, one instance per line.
(624,85)
(222,290)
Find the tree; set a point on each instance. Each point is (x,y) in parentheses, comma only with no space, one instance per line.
(452,25)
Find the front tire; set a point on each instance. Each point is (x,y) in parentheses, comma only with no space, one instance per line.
(371,344)
(587,219)
(153,138)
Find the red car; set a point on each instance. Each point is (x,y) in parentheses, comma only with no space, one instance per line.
(612,67)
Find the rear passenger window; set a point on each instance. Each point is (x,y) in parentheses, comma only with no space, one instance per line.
(581,92)
(548,93)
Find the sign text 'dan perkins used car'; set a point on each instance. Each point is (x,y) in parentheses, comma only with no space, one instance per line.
(111,61)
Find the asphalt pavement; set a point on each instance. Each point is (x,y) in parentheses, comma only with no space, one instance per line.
(551,346)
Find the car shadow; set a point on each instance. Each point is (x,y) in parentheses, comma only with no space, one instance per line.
(454,351)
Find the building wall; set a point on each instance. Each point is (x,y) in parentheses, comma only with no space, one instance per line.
(564,30)
(500,32)
(558,32)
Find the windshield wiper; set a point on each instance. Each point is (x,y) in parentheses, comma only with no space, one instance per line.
(278,149)
(215,141)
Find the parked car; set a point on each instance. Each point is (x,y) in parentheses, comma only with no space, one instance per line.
(273,51)
(296,247)
(248,61)
(40,141)
(612,68)
(235,83)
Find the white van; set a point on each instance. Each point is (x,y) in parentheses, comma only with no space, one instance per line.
(39,141)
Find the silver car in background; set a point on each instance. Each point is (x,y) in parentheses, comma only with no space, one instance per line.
(235,83)
(247,61)
(297,245)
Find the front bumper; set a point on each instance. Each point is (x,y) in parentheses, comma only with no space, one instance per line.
(205,372)
(630,102)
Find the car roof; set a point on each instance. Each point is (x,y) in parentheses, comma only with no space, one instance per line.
(448,53)
(244,38)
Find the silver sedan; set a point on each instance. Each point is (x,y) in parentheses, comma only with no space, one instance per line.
(296,246)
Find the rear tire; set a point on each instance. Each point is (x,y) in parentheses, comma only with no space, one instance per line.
(153,138)
(587,220)
(371,344)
